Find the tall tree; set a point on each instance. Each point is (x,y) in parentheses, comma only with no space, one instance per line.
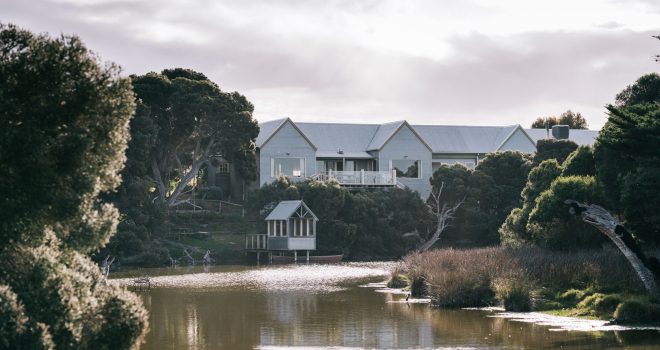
(646,89)
(628,163)
(570,118)
(64,120)
(195,121)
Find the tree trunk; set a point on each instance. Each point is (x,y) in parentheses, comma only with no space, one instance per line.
(604,221)
(160,185)
(443,215)
(173,199)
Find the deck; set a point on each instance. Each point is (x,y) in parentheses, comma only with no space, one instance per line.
(360,179)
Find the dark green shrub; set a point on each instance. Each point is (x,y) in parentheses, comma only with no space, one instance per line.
(398,281)
(418,286)
(637,311)
(599,304)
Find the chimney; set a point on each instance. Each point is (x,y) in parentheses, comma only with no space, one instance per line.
(560,132)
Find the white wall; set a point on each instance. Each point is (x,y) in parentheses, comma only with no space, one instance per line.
(519,142)
(405,143)
(286,140)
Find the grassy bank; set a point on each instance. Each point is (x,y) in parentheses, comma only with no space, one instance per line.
(222,234)
(594,283)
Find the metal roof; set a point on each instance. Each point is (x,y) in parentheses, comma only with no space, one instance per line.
(383,134)
(336,140)
(331,138)
(464,139)
(285,209)
(580,136)
(266,130)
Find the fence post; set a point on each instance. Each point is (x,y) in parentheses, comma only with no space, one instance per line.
(361,176)
(393,176)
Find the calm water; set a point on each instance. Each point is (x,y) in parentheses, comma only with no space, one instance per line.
(329,307)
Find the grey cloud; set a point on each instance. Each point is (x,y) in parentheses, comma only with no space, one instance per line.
(499,80)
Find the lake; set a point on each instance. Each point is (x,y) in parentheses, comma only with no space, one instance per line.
(332,307)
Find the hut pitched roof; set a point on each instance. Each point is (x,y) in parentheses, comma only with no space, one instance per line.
(285,209)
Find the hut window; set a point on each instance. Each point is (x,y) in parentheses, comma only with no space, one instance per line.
(283,232)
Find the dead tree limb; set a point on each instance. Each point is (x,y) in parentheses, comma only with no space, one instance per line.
(186,254)
(207,260)
(105,266)
(442,213)
(600,218)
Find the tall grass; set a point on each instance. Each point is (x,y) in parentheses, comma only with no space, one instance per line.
(515,277)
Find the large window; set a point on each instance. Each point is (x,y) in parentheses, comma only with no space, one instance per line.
(290,167)
(406,168)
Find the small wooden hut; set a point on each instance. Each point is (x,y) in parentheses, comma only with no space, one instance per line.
(291,226)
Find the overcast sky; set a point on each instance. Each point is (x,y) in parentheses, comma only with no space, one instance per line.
(478,62)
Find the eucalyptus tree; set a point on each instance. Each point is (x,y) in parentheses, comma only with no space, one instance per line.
(193,121)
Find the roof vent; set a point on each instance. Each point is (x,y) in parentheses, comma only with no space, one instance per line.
(560,132)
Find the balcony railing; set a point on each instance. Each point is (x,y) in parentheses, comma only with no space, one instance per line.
(256,242)
(360,177)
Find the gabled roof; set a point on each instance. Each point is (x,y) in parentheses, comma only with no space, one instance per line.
(385,133)
(465,139)
(285,209)
(267,129)
(516,128)
(580,136)
(270,128)
(337,140)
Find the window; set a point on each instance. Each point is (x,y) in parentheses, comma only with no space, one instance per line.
(406,168)
(290,167)
(223,168)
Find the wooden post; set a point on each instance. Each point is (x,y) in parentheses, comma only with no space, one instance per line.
(393,176)
(308,256)
(258,256)
(295,256)
(361,176)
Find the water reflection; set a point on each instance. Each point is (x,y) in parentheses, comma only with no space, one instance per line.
(301,308)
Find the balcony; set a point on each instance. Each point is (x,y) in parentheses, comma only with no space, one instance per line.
(360,178)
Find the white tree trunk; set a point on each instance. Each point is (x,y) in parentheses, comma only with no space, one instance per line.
(442,213)
(604,221)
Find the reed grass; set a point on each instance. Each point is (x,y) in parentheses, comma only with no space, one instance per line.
(516,278)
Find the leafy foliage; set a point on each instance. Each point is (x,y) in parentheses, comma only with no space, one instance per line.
(553,149)
(514,229)
(646,89)
(492,190)
(362,225)
(550,223)
(580,162)
(64,119)
(627,159)
(190,121)
(570,118)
